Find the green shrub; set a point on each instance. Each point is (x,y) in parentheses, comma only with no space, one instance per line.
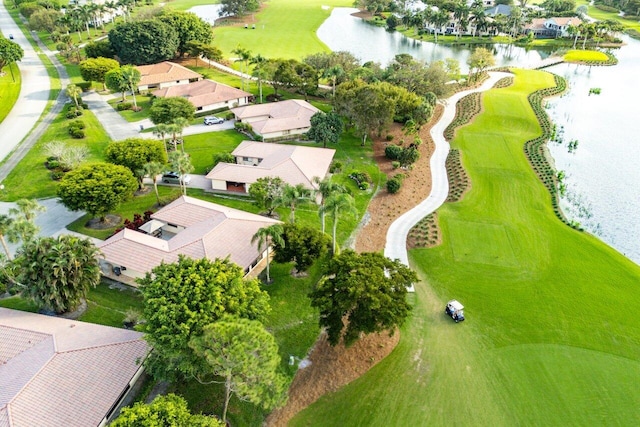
(335,167)
(52,164)
(392,152)
(124,106)
(85,86)
(607,8)
(57,175)
(395,164)
(78,124)
(76,133)
(74,112)
(28,8)
(393,186)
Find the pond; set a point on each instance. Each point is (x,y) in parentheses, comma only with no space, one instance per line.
(342,31)
(208,12)
(603,172)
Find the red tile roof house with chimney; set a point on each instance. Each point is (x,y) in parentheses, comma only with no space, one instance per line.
(165,74)
(56,372)
(295,164)
(207,95)
(277,120)
(187,226)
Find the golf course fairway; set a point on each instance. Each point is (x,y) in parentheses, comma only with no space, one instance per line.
(552,335)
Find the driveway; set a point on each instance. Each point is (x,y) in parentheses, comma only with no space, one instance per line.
(34,92)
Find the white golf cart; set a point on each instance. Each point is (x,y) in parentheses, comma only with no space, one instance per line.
(455,310)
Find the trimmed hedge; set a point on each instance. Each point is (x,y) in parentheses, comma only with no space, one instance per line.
(466,109)
(535,149)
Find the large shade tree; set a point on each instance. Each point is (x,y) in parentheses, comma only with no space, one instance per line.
(267,193)
(238,7)
(9,52)
(189,26)
(135,153)
(97,188)
(95,69)
(244,356)
(183,297)
(167,110)
(362,293)
(144,42)
(302,246)
(326,127)
(57,272)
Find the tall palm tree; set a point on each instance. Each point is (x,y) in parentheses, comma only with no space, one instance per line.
(131,77)
(161,131)
(461,14)
(153,169)
(293,196)
(244,56)
(336,205)
(439,19)
(326,188)
(177,127)
(5,227)
(267,236)
(181,163)
(23,226)
(258,71)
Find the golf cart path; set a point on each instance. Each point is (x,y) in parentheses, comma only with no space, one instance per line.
(34,91)
(396,245)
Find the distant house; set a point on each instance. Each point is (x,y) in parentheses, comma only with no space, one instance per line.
(499,9)
(207,95)
(57,372)
(187,226)
(551,27)
(295,164)
(165,74)
(277,120)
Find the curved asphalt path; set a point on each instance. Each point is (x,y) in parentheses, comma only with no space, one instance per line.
(396,246)
(34,93)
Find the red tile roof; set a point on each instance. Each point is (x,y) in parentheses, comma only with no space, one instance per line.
(203,92)
(164,72)
(59,372)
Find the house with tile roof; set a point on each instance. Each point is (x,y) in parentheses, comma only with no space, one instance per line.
(187,226)
(295,164)
(551,27)
(207,95)
(57,372)
(165,74)
(277,120)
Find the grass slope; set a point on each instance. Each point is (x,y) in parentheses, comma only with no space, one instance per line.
(548,338)
(284,29)
(10,83)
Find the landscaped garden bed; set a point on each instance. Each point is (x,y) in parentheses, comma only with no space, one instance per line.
(466,109)
(459,181)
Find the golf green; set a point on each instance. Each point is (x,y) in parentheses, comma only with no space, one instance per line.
(551,336)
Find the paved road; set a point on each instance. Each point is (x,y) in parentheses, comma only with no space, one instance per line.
(52,222)
(396,246)
(34,92)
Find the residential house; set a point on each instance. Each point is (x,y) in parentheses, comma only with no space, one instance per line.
(295,164)
(207,95)
(499,9)
(187,226)
(57,372)
(551,27)
(165,74)
(277,120)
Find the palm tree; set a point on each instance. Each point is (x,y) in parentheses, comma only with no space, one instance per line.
(439,19)
(244,55)
(267,236)
(334,73)
(293,195)
(181,163)
(258,71)
(153,169)
(23,226)
(461,14)
(74,92)
(161,131)
(336,205)
(131,77)
(5,227)
(573,30)
(326,188)
(177,126)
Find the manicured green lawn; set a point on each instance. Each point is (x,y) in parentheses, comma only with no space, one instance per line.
(585,55)
(143,101)
(601,15)
(105,305)
(284,29)
(202,147)
(548,339)
(30,178)
(9,89)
